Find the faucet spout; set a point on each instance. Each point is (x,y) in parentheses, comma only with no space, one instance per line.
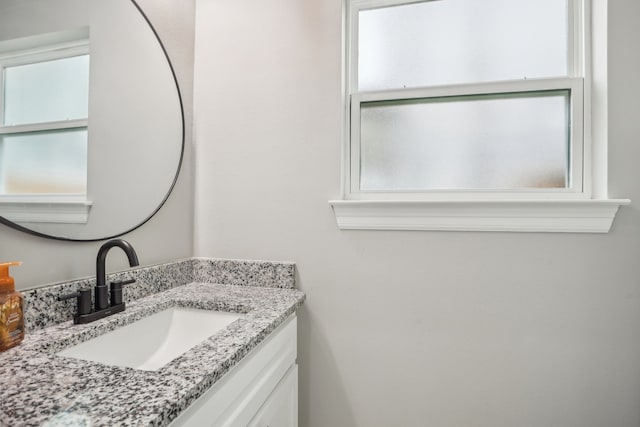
(101,301)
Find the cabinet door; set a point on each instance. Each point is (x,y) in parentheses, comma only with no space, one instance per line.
(281,407)
(237,397)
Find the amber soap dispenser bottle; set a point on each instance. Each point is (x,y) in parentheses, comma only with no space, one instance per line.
(11,318)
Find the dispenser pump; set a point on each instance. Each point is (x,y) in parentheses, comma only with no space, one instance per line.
(7,283)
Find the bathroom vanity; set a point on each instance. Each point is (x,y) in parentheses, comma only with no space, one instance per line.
(245,374)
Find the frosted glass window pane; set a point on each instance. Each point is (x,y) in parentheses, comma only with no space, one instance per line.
(47,91)
(473,142)
(461,41)
(44,162)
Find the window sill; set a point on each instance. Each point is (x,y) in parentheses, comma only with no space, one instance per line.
(568,216)
(46,211)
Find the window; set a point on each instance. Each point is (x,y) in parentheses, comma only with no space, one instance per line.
(483,104)
(44,104)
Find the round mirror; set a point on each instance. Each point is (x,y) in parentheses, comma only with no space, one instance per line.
(92,126)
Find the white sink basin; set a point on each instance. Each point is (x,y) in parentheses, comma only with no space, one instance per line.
(154,341)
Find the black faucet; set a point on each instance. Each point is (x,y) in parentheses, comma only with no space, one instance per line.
(102,306)
(101,276)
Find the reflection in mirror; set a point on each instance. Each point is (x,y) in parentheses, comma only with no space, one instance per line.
(91,121)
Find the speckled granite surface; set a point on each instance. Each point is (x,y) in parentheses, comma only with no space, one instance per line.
(247,273)
(39,388)
(150,280)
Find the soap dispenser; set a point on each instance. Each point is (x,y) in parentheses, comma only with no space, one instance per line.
(11,315)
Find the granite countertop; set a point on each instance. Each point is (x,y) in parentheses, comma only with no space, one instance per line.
(40,388)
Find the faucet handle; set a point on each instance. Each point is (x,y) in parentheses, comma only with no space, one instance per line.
(84,300)
(116,290)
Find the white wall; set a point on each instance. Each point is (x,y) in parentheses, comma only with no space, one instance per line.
(411,328)
(169,235)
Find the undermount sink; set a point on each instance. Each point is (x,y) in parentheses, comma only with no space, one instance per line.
(154,341)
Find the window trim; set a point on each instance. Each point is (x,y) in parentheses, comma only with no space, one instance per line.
(46,208)
(588,211)
(566,216)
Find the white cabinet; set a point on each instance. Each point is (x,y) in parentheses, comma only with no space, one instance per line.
(260,391)
(281,407)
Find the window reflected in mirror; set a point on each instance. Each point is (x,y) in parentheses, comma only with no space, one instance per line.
(44,127)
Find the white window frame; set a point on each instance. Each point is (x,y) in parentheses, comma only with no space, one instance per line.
(48,208)
(583,207)
(524,88)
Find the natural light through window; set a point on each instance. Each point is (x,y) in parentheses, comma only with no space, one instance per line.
(44,127)
(474,107)
(43,137)
(511,141)
(460,41)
